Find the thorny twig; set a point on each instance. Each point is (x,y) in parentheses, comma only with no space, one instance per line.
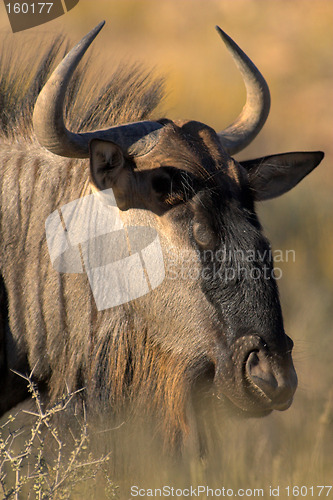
(51,477)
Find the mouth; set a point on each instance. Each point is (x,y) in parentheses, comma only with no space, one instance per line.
(254,381)
(233,409)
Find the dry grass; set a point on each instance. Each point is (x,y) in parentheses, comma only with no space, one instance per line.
(42,459)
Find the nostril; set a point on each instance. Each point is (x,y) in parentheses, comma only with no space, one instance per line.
(277,382)
(261,374)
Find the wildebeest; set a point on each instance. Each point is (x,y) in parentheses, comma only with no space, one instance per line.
(215,318)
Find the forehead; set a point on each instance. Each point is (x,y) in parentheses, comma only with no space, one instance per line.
(193,147)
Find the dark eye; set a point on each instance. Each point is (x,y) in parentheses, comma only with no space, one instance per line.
(204,235)
(161,183)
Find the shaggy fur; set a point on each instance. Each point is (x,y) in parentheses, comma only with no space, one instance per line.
(151,354)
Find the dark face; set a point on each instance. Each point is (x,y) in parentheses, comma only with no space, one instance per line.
(252,362)
(218,309)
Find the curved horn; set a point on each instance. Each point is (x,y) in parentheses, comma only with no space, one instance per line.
(255,112)
(48,120)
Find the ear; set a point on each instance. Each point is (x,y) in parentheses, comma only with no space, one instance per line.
(106,163)
(108,169)
(274,175)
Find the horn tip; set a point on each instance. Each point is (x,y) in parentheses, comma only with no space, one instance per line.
(226,38)
(99,26)
(88,39)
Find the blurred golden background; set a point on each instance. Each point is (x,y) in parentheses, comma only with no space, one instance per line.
(292,44)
